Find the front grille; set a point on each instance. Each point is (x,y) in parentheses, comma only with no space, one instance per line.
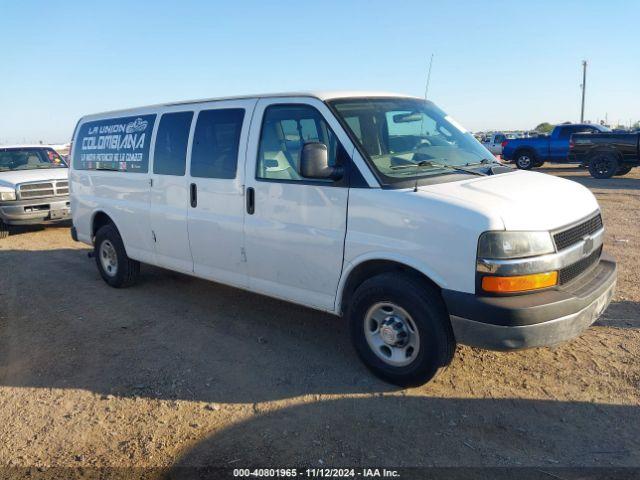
(573,271)
(62,187)
(573,235)
(43,189)
(36,190)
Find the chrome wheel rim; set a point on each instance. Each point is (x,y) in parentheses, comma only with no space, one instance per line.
(392,334)
(524,161)
(108,258)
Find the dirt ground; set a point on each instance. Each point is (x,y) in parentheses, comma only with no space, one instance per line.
(179,371)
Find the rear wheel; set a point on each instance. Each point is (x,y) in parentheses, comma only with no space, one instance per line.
(525,160)
(400,329)
(603,165)
(115,267)
(4,230)
(623,170)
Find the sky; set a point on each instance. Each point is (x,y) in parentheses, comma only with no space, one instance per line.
(497,64)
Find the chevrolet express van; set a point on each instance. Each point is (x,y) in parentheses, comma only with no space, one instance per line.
(375,207)
(34,186)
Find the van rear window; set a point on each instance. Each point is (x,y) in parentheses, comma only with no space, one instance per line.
(114,144)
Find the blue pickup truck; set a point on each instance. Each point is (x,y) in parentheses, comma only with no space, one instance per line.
(532,152)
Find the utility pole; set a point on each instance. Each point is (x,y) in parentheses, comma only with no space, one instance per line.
(426,89)
(584,87)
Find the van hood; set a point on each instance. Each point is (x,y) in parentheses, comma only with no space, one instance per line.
(523,200)
(12,178)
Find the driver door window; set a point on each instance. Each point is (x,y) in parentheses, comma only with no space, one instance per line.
(285,130)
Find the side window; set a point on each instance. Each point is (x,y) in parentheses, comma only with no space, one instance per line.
(499,138)
(118,144)
(215,143)
(171,143)
(565,132)
(285,130)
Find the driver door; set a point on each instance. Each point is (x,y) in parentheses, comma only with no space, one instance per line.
(294,227)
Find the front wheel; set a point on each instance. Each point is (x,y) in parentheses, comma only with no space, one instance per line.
(400,329)
(4,230)
(623,170)
(525,160)
(603,165)
(115,267)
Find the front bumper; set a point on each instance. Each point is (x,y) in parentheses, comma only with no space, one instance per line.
(33,211)
(532,320)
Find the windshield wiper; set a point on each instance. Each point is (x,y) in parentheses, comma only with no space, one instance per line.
(484,161)
(429,163)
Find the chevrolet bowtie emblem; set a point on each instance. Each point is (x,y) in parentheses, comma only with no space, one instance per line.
(588,246)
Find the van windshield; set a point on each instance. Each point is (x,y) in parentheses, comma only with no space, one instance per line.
(29,159)
(406,138)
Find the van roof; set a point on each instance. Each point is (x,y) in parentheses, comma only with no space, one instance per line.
(320,95)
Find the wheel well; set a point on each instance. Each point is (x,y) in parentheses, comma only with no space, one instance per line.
(370,269)
(522,150)
(100,219)
(605,150)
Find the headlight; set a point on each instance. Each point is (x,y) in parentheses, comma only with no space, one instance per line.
(5,196)
(499,245)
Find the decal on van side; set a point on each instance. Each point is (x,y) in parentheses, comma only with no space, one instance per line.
(114,144)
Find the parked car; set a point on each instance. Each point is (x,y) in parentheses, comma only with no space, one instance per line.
(378,208)
(494,141)
(606,154)
(34,186)
(527,153)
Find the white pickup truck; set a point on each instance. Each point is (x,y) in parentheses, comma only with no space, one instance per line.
(34,186)
(494,142)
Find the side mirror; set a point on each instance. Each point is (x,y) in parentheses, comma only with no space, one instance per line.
(314,163)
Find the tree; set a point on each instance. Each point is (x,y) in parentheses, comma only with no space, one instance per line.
(544,127)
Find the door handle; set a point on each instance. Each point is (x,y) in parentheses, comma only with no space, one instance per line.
(251,200)
(194,195)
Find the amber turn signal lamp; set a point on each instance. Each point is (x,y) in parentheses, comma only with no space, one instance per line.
(521,283)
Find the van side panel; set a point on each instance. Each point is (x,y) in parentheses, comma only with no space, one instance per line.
(124,197)
(384,224)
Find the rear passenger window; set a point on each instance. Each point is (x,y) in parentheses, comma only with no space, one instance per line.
(171,143)
(118,144)
(215,143)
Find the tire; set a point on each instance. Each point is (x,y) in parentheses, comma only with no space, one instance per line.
(4,230)
(538,164)
(603,165)
(525,160)
(623,170)
(405,305)
(115,267)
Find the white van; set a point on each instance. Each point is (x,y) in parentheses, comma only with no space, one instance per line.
(376,207)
